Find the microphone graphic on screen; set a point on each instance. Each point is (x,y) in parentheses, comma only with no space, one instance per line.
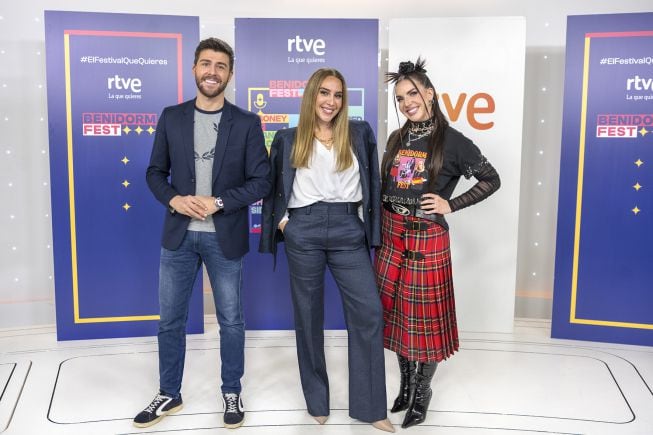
(260,103)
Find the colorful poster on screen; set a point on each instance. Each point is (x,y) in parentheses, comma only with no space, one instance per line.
(274,59)
(109,76)
(603,274)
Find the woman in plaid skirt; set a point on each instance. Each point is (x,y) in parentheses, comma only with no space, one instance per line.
(423,162)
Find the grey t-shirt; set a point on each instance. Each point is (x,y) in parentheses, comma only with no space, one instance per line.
(205,137)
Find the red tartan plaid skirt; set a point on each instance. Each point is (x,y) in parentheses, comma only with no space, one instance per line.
(417,294)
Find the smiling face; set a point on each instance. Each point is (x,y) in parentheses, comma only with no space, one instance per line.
(414,100)
(329,100)
(212,73)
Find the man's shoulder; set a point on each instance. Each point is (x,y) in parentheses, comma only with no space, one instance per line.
(239,113)
(179,108)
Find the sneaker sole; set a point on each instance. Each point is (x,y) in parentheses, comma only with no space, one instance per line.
(158,419)
(235,425)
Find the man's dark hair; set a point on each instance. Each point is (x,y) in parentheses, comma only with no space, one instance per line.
(218,45)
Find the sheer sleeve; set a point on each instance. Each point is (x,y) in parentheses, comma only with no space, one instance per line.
(488,183)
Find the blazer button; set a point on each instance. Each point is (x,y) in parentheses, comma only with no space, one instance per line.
(369,210)
(192,180)
(279,195)
(272,214)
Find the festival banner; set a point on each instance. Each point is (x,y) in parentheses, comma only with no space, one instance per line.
(274,59)
(603,274)
(477,67)
(109,76)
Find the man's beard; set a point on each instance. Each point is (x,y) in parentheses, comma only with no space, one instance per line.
(219,90)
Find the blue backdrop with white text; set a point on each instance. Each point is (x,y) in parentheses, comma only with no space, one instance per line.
(109,77)
(274,59)
(603,275)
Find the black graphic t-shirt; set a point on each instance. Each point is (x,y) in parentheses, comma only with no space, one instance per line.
(407,178)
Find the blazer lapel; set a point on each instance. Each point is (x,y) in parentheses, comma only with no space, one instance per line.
(188,135)
(224,128)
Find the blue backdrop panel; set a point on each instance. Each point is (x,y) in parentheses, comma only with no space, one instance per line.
(274,59)
(109,76)
(603,276)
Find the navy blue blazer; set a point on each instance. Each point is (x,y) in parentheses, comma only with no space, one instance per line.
(283,175)
(240,172)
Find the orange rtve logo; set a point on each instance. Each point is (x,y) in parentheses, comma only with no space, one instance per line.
(480,103)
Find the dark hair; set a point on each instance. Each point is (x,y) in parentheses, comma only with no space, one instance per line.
(218,45)
(415,73)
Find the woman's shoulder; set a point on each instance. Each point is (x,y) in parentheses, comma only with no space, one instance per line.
(286,132)
(452,134)
(283,138)
(359,125)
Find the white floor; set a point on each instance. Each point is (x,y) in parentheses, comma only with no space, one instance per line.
(523,382)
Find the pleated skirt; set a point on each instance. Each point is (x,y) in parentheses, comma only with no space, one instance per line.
(417,293)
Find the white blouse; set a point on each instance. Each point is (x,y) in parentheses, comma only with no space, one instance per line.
(322,182)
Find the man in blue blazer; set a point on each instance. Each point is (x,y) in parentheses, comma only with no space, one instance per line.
(208,164)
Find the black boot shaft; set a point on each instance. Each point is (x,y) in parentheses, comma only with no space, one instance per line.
(407,371)
(421,397)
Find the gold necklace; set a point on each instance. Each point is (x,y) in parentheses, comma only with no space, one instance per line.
(327,142)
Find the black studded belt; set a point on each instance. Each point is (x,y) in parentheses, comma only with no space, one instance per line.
(408,210)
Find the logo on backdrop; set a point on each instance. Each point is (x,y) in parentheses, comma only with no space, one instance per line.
(306,50)
(125,88)
(478,108)
(117,124)
(623,125)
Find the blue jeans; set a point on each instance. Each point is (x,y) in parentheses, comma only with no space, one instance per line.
(177,272)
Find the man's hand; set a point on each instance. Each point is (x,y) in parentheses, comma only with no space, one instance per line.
(209,203)
(190,205)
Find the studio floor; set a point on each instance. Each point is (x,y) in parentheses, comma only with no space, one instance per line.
(523,382)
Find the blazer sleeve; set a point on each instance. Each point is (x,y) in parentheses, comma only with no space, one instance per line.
(257,172)
(267,243)
(375,187)
(158,171)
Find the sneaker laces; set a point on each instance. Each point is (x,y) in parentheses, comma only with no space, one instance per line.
(159,399)
(231,402)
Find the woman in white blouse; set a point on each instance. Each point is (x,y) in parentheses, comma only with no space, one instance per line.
(325,206)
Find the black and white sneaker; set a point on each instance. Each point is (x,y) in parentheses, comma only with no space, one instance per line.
(161,406)
(234,413)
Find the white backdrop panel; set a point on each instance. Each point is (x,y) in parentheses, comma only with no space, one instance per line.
(472,62)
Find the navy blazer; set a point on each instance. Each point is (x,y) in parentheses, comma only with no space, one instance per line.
(283,176)
(240,172)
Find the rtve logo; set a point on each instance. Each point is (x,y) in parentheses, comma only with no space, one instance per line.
(639,84)
(481,104)
(120,83)
(302,45)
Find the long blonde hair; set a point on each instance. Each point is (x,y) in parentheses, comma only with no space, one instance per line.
(303,145)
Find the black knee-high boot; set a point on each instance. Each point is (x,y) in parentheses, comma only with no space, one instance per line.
(407,385)
(421,397)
